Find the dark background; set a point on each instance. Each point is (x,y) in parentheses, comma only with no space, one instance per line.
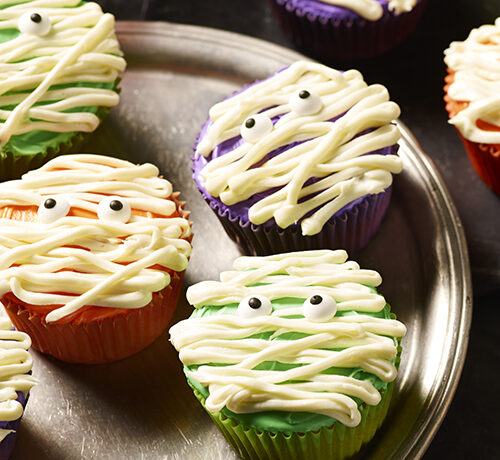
(413,73)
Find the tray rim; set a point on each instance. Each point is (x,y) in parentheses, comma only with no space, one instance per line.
(455,242)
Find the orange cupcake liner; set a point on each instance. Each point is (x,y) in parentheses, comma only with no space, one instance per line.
(485,158)
(102,341)
(102,338)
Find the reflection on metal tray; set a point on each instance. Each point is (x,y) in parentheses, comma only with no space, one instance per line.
(142,407)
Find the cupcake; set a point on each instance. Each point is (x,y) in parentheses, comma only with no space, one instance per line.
(472,95)
(60,61)
(302,160)
(292,355)
(347,30)
(15,383)
(93,252)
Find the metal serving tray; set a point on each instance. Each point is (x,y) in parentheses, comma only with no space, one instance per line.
(142,407)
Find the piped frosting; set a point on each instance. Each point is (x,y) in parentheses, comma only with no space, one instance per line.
(312,161)
(476,66)
(371,9)
(47,77)
(16,362)
(227,351)
(104,262)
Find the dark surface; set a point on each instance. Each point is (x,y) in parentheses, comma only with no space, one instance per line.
(414,74)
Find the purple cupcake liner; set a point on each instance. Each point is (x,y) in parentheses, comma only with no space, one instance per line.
(344,36)
(7,444)
(350,231)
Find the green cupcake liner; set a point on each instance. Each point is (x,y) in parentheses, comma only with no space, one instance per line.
(335,442)
(14,165)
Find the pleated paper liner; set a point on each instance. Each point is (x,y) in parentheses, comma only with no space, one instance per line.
(106,339)
(100,341)
(8,442)
(13,165)
(345,39)
(329,443)
(485,158)
(351,230)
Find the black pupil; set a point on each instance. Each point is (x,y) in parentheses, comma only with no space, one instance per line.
(304,94)
(35,17)
(116,205)
(316,299)
(250,123)
(49,203)
(254,303)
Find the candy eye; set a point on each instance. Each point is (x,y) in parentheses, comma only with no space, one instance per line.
(114,208)
(34,23)
(303,102)
(255,305)
(52,208)
(319,308)
(256,127)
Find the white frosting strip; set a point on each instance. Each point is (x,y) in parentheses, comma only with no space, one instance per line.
(15,362)
(231,339)
(80,47)
(372,10)
(476,63)
(333,152)
(95,262)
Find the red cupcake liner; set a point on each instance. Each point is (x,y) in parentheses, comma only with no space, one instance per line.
(345,39)
(102,341)
(485,158)
(350,231)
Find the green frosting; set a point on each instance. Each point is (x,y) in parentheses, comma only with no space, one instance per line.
(280,421)
(37,141)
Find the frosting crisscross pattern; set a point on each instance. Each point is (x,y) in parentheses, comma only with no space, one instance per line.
(80,49)
(227,353)
(323,164)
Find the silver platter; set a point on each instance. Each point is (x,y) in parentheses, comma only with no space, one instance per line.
(141,407)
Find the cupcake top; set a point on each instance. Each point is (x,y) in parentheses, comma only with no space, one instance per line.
(290,342)
(475,66)
(294,146)
(59,63)
(103,231)
(372,10)
(14,369)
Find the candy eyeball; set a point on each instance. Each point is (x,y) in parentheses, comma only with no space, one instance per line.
(53,208)
(34,23)
(114,208)
(256,127)
(319,308)
(304,102)
(255,305)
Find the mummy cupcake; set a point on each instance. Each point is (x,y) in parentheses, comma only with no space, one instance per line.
(293,355)
(302,160)
(473,98)
(347,29)
(15,383)
(59,62)
(92,255)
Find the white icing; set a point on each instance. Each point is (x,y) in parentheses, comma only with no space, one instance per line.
(231,340)
(372,10)
(94,261)
(80,47)
(15,362)
(333,152)
(476,66)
